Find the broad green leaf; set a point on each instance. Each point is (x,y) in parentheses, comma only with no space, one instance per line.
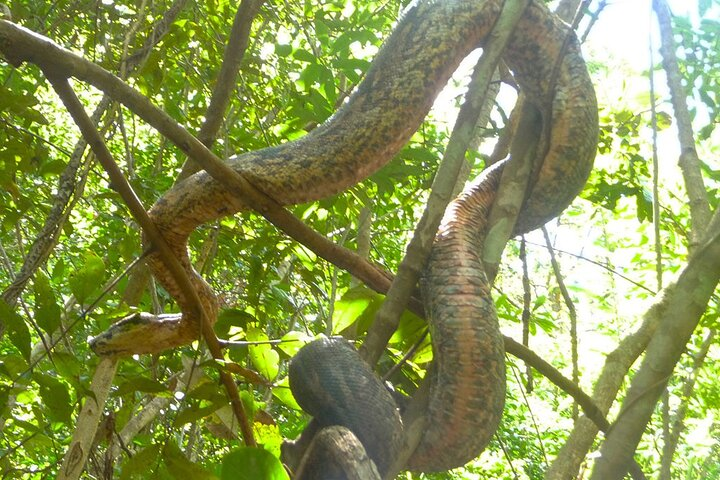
(139,464)
(47,310)
(88,278)
(17,330)
(349,308)
(51,168)
(304,56)
(38,444)
(410,328)
(704,6)
(544,321)
(35,116)
(141,384)
(293,341)
(231,321)
(249,406)
(12,366)
(195,412)
(664,120)
(206,389)
(265,359)
(182,468)
(282,392)
(56,398)
(269,437)
(4,396)
(68,365)
(283,50)
(251,463)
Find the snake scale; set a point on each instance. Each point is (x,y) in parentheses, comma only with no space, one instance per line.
(414,64)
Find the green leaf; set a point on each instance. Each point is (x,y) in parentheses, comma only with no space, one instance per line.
(544,321)
(88,278)
(350,306)
(250,463)
(55,396)
(47,310)
(13,366)
(282,50)
(35,116)
(265,359)
(249,406)
(4,396)
(304,56)
(139,464)
(206,389)
(194,413)
(664,120)
(704,6)
(409,330)
(232,320)
(293,341)
(17,330)
(282,392)
(141,384)
(182,468)
(68,365)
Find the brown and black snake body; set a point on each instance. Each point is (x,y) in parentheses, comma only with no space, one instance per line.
(387,107)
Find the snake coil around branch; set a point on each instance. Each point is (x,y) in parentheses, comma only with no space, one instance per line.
(416,61)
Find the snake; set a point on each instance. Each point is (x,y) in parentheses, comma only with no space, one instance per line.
(413,65)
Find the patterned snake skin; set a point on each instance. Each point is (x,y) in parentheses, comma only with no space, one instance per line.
(412,67)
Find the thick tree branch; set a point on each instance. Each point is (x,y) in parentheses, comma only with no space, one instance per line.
(689,161)
(89,417)
(409,270)
(679,309)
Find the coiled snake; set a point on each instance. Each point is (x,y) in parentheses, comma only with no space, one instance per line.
(412,67)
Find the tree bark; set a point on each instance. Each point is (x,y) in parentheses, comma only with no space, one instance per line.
(688,161)
(679,309)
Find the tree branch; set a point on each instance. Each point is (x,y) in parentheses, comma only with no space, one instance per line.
(120,183)
(234,52)
(410,268)
(88,419)
(689,161)
(679,310)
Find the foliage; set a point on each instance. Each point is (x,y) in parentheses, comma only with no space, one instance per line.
(304,59)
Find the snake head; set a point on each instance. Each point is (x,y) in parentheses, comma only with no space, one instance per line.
(142,333)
